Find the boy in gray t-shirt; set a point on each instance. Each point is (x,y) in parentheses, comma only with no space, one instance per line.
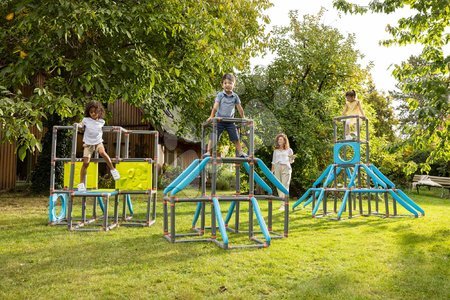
(224,107)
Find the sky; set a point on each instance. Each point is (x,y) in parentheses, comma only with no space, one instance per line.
(369,29)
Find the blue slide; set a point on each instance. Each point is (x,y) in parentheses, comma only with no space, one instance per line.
(258,179)
(271,177)
(180,177)
(190,177)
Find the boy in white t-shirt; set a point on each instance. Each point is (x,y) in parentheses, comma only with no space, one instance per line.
(93,140)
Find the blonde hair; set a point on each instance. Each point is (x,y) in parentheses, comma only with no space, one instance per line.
(286,141)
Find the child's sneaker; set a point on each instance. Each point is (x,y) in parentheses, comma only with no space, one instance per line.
(242,154)
(348,137)
(281,207)
(115,174)
(81,187)
(206,154)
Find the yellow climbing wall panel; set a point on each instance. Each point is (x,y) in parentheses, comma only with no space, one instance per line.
(134,176)
(91,177)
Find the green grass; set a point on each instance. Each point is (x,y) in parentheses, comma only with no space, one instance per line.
(359,258)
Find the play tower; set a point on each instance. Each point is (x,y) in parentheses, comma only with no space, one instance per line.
(218,223)
(352,177)
(138,177)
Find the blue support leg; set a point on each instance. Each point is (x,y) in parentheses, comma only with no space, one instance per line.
(190,177)
(301,199)
(319,200)
(322,176)
(129,204)
(230,212)
(258,179)
(198,209)
(222,229)
(344,203)
(261,222)
(382,176)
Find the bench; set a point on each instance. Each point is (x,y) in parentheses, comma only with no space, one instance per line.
(431,181)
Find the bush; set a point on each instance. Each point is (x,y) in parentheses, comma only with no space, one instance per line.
(226,179)
(106,182)
(167,175)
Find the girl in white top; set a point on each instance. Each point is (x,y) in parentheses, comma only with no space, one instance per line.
(282,158)
(93,140)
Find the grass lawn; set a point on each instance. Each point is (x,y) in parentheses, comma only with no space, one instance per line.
(359,258)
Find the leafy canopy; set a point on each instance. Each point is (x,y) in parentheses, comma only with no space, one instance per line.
(301,91)
(152,54)
(424,80)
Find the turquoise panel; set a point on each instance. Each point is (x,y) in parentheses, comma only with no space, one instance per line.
(356,153)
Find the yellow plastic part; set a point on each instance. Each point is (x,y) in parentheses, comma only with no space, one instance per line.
(134,176)
(91,176)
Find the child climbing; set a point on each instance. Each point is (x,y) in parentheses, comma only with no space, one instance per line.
(224,107)
(92,124)
(352,108)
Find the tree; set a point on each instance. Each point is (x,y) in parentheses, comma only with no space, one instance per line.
(301,91)
(152,54)
(384,119)
(423,80)
(57,55)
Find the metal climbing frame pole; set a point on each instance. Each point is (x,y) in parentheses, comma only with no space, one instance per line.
(203,175)
(155,172)
(369,196)
(335,186)
(251,180)
(52,160)
(73,157)
(360,195)
(238,193)
(214,138)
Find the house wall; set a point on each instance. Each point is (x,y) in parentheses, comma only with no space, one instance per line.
(8,164)
(9,172)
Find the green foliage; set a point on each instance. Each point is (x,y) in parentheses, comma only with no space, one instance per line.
(106,182)
(17,118)
(423,80)
(154,55)
(167,175)
(425,109)
(301,91)
(383,119)
(40,177)
(226,179)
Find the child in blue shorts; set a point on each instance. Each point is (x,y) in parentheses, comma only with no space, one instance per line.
(224,107)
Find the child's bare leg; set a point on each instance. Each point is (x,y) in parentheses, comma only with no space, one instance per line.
(106,157)
(208,148)
(238,146)
(115,174)
(83,170)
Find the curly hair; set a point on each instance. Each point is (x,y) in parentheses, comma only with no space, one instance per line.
(98,107)
(286,141)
